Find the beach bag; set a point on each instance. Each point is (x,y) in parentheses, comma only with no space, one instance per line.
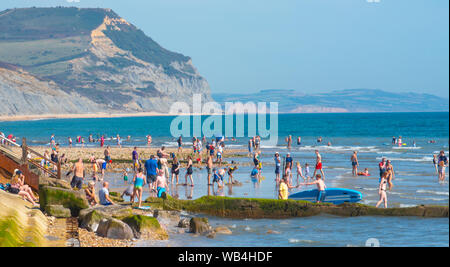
(12,190)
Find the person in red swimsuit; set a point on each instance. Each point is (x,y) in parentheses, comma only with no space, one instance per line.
(319,165)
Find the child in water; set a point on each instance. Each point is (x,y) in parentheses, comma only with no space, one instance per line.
(364,173)
(125,176)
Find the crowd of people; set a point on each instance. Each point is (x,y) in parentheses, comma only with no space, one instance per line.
(163,169)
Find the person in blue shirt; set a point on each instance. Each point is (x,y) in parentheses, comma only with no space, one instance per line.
(103,195)
(151,168)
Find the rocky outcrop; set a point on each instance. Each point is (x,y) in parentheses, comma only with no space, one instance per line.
(68,198)
(83,61)
(114,229)
(172,215)
(199,225)
(274,209)
(146,227)
(58,211)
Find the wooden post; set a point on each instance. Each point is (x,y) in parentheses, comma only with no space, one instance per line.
(24,151)
(58,174)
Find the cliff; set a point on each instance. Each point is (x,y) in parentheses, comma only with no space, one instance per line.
(71,60)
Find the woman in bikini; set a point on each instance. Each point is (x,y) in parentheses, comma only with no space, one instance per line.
(382,190)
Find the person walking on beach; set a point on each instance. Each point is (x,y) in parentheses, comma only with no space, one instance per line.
(107,154)
(442,164)
(138,182)
(209,167)
(250,146)
(151,168)
(382,190)
(319,166)
(300,173)
(119,141)
(175,169)
(180,144)
(355,163)
(161,185)
(70,142)
(135,157)
(78,170)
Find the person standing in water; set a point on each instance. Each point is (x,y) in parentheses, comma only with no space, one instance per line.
(390,174)
(382,167)
(209,168)
(320,187)
(442,164)
(277,167)
(189,171)
(355,163)
(138,182)
(78,171)
(319,166)
(299,141)
(180,144)
(382,190)
(135,157)
(289,142)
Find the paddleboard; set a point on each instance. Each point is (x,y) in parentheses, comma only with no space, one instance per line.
(142,208)
(332,195)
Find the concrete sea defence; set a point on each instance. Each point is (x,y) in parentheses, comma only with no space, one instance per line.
(20,224)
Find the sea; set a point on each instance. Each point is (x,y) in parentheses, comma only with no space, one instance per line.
(370,134)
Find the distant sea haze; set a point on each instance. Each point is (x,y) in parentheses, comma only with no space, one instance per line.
(351,100)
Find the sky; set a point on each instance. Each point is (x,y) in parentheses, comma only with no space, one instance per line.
(312,46)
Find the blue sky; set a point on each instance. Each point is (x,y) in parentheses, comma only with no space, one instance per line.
(306,45)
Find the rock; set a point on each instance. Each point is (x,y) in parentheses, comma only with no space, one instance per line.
(211,234)
(167,214)
(223,230)
(115,211)
(146,227)
(114,229)
(90,220)
(58,211)
(115,196)
(184,223)
(60,183)
(68,198)
(199,225)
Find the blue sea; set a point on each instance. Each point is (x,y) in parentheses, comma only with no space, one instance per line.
(370,134)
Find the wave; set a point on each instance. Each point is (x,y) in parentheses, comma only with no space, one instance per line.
(432,192)
(293,240)
(423,159)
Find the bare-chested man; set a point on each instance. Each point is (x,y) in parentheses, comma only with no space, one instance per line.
(78,170)
(319,166)
(355,163)
(320,186)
